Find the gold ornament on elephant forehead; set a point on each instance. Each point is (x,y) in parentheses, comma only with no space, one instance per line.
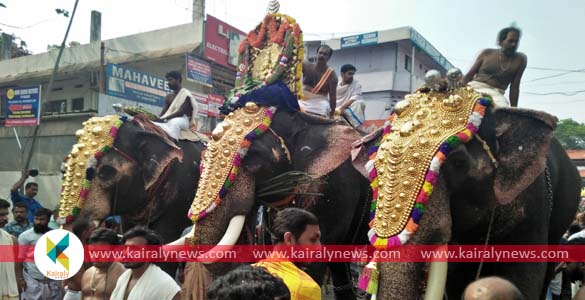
(423,121)
(218,159)
(94,136)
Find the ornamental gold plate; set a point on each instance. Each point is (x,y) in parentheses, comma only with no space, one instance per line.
(422,122)
(94,136)
(227,138)
(264,60)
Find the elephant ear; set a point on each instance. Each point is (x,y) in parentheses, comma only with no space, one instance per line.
(361,148)
(523,138)
(155,154)
(339,139)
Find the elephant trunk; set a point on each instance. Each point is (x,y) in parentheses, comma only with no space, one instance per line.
(405,281)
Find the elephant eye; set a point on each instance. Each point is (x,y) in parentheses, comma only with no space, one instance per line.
(107,172)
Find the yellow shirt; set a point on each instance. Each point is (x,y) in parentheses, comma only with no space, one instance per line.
(299,283)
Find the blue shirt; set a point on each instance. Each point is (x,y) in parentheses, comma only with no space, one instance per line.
(33,205)
(16,229)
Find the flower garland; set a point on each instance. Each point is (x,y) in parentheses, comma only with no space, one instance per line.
(236,164)
(431,176)
(282,30)
(90,172)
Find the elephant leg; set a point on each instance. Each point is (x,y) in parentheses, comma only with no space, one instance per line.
(343,286)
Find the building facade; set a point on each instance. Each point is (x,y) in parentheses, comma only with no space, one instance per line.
(390,64)
(91,77)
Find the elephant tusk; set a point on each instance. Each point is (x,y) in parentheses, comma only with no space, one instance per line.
(437,280)
(181,241)
(230,236)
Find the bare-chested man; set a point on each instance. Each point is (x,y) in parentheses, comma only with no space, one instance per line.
(319,85)
(179,109)
(99,281)
(496,69)
(82,228)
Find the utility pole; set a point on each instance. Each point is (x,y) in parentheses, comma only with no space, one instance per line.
(198,17)
(50,86)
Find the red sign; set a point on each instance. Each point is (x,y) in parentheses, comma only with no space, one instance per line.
(217,40)
(201,104)
(214,103)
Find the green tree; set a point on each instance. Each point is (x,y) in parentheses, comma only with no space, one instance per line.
(571,134)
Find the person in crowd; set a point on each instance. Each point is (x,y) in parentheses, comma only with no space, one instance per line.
(82,228)
(8,285)
(247,282)
(492,288)
(31,281)
(98,282)
(20,223)
(294,227)
(31,189)
(144,280)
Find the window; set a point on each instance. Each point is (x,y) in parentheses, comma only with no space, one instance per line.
(55,107)
(407,63)
(77,104)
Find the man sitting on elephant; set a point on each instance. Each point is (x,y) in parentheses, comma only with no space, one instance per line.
(295,227)
(180,108)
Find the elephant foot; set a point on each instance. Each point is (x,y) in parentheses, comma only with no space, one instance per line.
(346,292)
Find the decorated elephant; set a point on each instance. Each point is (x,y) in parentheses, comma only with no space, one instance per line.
(130,168)
(450,169)
(225,211)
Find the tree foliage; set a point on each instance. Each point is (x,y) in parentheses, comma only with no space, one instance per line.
(17,47)
(571,134)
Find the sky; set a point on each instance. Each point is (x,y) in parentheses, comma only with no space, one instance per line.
(552,31)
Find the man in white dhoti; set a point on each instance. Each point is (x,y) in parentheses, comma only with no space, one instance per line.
(179,111)
(143,280)
(319,85)
(33,282)
(8,285)
(350,104)
(496,69)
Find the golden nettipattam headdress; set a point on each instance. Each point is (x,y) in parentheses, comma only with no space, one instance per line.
(271,52)
(268,77)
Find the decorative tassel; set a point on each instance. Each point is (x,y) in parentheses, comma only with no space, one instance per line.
(368,281)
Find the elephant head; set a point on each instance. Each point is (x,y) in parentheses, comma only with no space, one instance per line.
(498,170)
(293,142)
(131,171)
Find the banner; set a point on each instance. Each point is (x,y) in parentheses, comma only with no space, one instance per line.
(217,41)
(306,253)
(370,38)
(135,85)
(214,102)
(22,106)
(201,99)
(198,70)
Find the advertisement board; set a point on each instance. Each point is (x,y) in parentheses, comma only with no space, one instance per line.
(217,41)
(136,86)
(201,99)
(370,38)
(214,103)
(198,70)
(22,106)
